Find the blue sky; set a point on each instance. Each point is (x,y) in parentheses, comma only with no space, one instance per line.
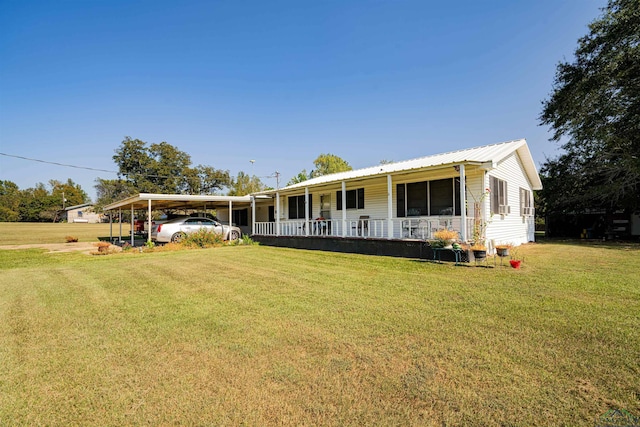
(278,82)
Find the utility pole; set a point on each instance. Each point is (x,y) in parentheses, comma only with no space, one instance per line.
(277,174)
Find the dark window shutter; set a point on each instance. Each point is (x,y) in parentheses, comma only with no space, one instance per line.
(400,198)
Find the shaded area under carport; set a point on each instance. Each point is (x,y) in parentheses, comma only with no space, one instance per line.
(152,202)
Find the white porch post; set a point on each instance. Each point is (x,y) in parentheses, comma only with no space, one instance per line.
(149,221)
(120,223)
(132,241)
(306,211)
(110,226)
(463,204)
(389,207)
(277,213)
(230,216)
(344,209)
(253,215)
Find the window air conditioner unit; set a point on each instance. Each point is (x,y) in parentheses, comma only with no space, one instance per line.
(527,211)
(504,209)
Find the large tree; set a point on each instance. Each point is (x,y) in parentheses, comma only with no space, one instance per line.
(301,177)
(162,168)
(325,164)
(111,190)
(594,110)
(244,184)
(329,163)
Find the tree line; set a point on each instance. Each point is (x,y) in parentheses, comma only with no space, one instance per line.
(40,203)
(142,168)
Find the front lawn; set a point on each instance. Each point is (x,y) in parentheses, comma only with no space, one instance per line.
(19,233)
(253,335)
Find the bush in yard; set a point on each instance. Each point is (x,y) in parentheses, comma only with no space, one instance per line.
(169,247)
(71,239)
(245,240)
(202,239)
(104,248)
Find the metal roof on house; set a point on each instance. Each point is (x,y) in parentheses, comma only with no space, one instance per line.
(486,154)
(84,205)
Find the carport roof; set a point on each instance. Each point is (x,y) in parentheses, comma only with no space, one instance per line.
(177,201)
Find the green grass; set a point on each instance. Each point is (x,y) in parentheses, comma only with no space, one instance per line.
(17,233)
(252,335)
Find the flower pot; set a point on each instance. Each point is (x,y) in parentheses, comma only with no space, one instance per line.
(479,254)
(515,263)
(502,252)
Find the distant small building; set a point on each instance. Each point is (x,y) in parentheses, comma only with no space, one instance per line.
(83,213)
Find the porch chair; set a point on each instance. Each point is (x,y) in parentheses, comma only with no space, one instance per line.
(363,225)
(423,229)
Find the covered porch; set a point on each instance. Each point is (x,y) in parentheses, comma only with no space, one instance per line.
(403,205)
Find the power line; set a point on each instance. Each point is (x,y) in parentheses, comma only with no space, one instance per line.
(57,164)
(83,167)
(274,175)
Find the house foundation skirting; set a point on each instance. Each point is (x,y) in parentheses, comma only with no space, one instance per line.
(383,247)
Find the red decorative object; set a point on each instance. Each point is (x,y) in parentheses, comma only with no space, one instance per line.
(515,263)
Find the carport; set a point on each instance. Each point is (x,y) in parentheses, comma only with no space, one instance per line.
(151,202)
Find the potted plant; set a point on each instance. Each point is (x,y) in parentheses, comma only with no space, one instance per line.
(515,260)
(478,235)
(503,250)
(479,250)
(447,237)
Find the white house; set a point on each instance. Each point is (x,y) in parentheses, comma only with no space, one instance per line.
(82,213)
(490,185)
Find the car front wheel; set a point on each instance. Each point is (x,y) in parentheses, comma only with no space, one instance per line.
(177,237)
(234,235)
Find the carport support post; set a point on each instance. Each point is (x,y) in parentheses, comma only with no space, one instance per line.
(149,222)
(120,224)
(132,241)
(463,204)
(230,217)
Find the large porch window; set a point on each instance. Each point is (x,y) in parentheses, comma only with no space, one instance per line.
(241,217)
(355,199)
(296,207)
(428,198)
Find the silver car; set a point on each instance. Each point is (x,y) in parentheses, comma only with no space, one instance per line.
(176,229)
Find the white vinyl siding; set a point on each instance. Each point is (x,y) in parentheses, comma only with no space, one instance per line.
(511,228)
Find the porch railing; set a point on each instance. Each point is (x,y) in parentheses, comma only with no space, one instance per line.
(422,228)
